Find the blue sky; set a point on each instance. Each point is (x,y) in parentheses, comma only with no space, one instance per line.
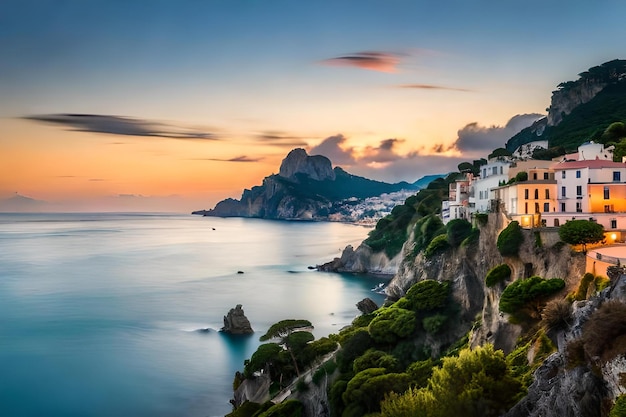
(398,82)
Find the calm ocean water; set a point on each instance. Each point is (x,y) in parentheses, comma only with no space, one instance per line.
(99,312)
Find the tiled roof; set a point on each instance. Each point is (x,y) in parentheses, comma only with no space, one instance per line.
(592,163)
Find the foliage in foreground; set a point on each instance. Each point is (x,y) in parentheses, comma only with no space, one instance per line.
(497,274)
(476,383)
(524,298)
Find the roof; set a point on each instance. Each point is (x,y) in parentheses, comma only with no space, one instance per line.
(592,163)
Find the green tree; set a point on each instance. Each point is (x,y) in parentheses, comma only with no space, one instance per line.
(368,388)
(391,324)
(476,383)
(525,297)
(283,330)
(499,152)
(581,232)
(521,176)
(265,356)
(428,295)
(510,239)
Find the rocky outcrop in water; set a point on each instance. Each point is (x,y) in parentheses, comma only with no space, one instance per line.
(318,168)
(236,322)
(366,306)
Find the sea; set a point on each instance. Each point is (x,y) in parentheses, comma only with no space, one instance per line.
(119,314)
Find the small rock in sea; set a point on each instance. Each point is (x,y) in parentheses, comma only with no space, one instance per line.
(311,267)
(205,330)
(236,322)
(240,272)
(213,228)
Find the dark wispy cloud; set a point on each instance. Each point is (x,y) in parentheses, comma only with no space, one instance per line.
(242,158)
(283,139)
(118,125)
(432,87)
(96,179)
(370,60)
(475,139)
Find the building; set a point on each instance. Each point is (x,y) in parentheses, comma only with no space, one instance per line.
(458,206)
(492,175)
(526,201)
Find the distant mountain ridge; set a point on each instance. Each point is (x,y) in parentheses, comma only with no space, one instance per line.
(306,188)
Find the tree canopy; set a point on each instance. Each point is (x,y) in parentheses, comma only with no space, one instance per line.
(581,232)
(283,328)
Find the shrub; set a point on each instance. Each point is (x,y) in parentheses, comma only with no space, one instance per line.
(581,232)
(510,239)
(557,315)
(521,176)
(604,334)
(525,297)
(428,295)
(437,245)
(433,324)
(619,408)
(374,359)
(583,287)
(472,238)
(497,274)
(482,218)
(392,324)
(289,408)
(457,230)
(601,282)
(425,229)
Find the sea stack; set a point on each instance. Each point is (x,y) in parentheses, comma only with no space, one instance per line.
(236,322)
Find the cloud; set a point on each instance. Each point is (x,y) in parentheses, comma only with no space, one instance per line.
(281,139)
(383,153)
(476,139)
(242,158)
(332,148)
(118,125)
(431,87)
(370,60)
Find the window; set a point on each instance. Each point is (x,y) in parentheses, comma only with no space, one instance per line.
(579,190)
(562,174)
(534,175)
(485,172)
(578,174)
(579,207)
(613,224)
(563,191)
(562,207)
(494,170)
(536,207)
(617,176)
(525,208)
(546,176)
(546,207)
(526,193)
(556,222)
(606,192)
(547,194)
(536,194)
(501,169)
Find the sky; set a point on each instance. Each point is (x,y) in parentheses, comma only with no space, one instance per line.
(158,105)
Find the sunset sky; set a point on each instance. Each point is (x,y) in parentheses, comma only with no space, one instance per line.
(175,105)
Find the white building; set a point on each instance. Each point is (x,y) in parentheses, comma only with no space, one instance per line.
(492,175)
(457,206)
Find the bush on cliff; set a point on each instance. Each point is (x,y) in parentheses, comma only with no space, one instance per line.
(524,298)
(457,230)
(437,245)
(391,324)
(425,230)
(619,408)
(428,295)
(497,274)
(510,239)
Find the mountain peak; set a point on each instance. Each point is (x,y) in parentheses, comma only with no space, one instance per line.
(316,167)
